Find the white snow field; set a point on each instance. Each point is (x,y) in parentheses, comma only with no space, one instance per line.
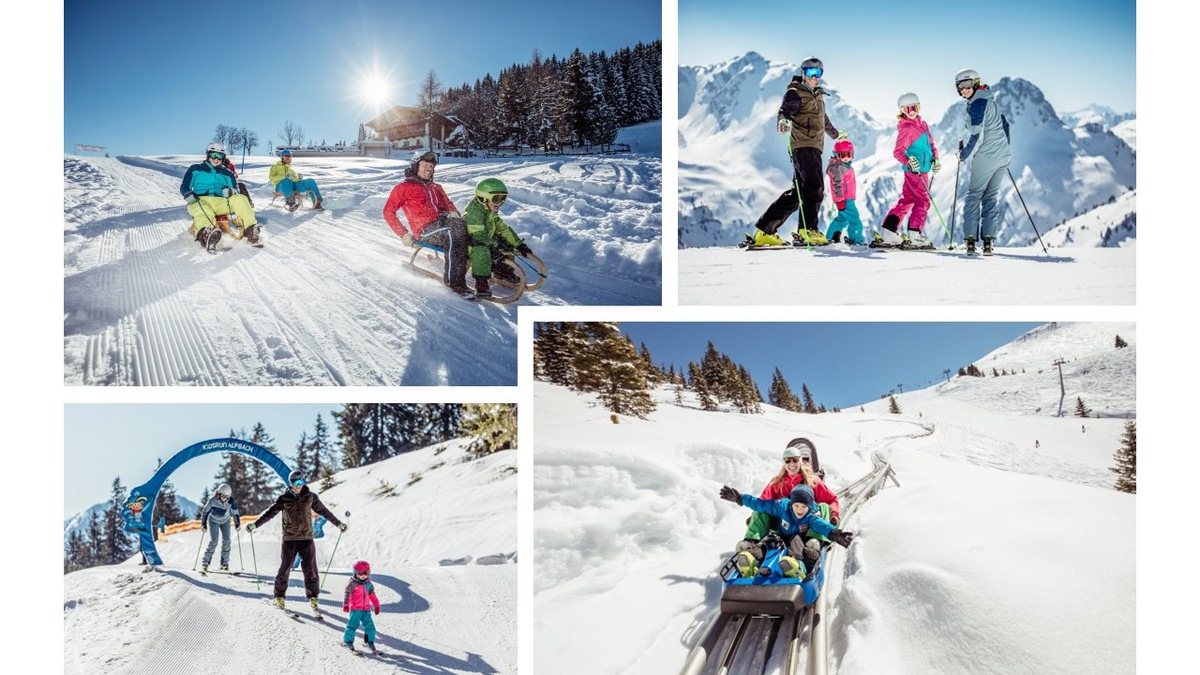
(442,555)
(329,300)
(1004,549)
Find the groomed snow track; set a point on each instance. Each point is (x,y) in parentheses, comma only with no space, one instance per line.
(749,644)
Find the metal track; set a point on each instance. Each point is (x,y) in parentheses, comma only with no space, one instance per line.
(742,644)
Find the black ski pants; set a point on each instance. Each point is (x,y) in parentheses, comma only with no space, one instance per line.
(450,234)
(806,163)
(307,550)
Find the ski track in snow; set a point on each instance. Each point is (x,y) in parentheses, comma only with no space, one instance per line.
(328,300)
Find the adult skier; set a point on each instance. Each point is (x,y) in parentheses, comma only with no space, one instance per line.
(297,503)
(484,228)
(431,218)
(990,154)
(802,114)
(211,190)
(214,519)
(286,180)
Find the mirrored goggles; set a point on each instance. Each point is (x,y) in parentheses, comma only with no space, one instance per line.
(216,155)
(298,482)
(911,109)
(813,72)
(845,155)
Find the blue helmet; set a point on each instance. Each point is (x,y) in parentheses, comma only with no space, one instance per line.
(286,153)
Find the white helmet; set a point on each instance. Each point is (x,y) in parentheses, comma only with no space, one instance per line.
(215,147)
(224,489)
(965,77)
(906,100)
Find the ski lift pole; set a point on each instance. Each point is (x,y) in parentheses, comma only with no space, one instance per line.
(1029,215)
(330,563)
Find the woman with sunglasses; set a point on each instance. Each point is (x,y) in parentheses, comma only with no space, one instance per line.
(297,505)
(918,155)
(484,226)
(802,115)
(211,190)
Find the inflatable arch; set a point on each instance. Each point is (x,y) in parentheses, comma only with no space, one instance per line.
(138,511)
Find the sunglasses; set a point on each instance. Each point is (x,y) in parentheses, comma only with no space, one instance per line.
(791,460)
(813,72)
(298,482)
(216,155)
(496,199)
(911,108)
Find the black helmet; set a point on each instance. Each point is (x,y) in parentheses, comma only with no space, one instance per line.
(812,62)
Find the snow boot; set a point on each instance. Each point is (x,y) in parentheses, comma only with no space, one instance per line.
(504,272)
(208,237)
(889,238)
(837,238)
(317,206)
(916,240)
(225,568)
(293,201)
(987,245)
(481,287)
(350,646)
(252,236)
(371,646)
(970,245)
(204,568)
(312,602)
(763,239)
(806,237)
(279,603)
(747,566)
(791,568)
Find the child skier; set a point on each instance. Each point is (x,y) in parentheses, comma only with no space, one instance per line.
(486,230)
(847,226)
(359,599)
(916,151)
(797,518)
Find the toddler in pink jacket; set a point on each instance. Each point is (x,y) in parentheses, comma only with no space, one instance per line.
(359,601)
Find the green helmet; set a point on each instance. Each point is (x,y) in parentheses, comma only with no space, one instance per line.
(491,190)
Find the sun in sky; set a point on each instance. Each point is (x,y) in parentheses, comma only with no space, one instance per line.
(375,89)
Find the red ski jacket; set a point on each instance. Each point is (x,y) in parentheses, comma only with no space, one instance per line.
(421,202)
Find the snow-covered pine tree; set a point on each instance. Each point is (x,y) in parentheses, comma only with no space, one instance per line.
(1126,457)
(494,426)
(893,405)
(780,393)
(1081,410)
(700,386)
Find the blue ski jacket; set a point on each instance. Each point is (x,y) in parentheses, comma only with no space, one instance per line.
(789,524)
(206,180)
(220,512)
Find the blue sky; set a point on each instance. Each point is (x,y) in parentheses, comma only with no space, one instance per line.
(1078,52)
(150,77)
(843,364)
(104,441)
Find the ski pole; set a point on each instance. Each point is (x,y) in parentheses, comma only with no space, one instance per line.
(929,194)
(198,547)
(954,206)
(1030,216)
(241,561)
(796,185)
(254,559)
(330,563)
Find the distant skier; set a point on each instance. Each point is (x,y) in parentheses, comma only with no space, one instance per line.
(802,114)
(214,519)
(991,154)
(359,600)
(486,231)
(798,522)
(211,190)
(286,180)
(297,503)
(847,226)
(918,155)
(431,218)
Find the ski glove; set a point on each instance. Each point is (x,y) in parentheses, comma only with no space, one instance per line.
(250,527)
(731,495)
(841,206)
(346,607)
(842,537)
(524,249)
(190,197)
(407,239)
(784,127)
(342,526)
(772,541)
(226,192)
(376,611)
(914,165)
(937,165)
(842,135)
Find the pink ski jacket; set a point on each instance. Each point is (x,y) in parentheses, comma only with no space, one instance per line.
(360,595)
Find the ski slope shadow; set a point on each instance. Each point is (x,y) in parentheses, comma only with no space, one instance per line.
(443,354)
(409,656)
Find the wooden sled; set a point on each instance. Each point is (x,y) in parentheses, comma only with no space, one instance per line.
(428,255)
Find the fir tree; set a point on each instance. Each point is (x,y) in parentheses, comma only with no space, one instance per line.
(701,388)
(76,553)
(1126,458)
(116,545)
(614,372)
(893,405)
(809,405)
(94,542)
(1121,344)
(321,451)
(303,461)
(780,394)
(494,426)
(263,484)
(1081,410)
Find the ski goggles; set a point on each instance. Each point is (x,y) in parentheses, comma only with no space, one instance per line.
(298,482)
(911,109)
(813,72)
(496,199)
(845,155)
(216,155)
(428,157)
